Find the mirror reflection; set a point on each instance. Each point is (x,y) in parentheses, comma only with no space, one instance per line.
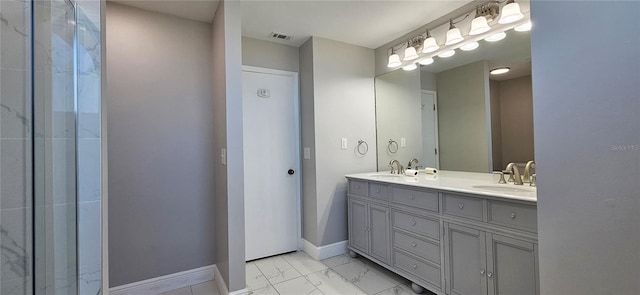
(454,114)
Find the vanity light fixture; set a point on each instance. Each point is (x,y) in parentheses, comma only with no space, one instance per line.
(426,61)
(453,35)
(523,27)
(470,46)
(430,44)
(484,13)
(479,25)
(501,70)
(410,53)
(496,37)
(410,67)
(448,53)
(394,60)
(510,13)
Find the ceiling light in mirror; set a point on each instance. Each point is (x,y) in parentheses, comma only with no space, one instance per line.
(479,25)
(510,13)
(394,61)
(498,71)
(426,61)
(430,45)
(448,53)
(523,27)
(410,67)
(470,46)
(410,53)
(496,37)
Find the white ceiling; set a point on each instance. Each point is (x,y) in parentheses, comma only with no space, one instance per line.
(200,10)
(368,23)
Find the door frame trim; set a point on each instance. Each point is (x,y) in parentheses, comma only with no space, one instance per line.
(435,113)
(297,139)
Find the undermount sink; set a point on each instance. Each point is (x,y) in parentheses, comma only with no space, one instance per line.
(506,188)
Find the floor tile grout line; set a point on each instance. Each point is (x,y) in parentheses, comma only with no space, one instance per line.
(265,277)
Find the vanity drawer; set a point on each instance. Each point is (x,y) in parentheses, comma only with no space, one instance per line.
(357,187)
(416,224)
(422,270)
(514,215)
(467,207)
(379,191)
(427,200)
(419,247)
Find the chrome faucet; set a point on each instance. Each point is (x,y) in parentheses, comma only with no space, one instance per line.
(512,169)
(526,178)
(398,165)
(414,160)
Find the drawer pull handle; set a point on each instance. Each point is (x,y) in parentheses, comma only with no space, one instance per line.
(377,190)
(368,228)
(415,266)
(413,223)
(513,215)
(482,272)
(413,197)
(461,205)
(357,186)
(489,274)
(414,245)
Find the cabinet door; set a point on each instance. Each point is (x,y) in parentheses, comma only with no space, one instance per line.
(358,225)
(379,243)
(465,255)
(511,266)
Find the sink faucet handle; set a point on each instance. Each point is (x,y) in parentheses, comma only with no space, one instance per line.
(533,180)
(501,176)
(391,168)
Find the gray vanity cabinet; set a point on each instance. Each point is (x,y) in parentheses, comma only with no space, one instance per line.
(480,262)
(369,229)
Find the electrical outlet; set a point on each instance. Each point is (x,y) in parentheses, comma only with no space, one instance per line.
(344,143)
(223,156)
(307,153)
(403,142)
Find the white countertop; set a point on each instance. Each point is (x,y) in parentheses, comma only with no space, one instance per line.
(456,181)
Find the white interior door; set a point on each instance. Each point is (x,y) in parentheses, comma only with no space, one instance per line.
(271,153)
(430,129)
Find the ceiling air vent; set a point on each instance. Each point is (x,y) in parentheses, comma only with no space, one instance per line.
(281,36)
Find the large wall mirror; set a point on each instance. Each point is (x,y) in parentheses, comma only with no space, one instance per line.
(454,114)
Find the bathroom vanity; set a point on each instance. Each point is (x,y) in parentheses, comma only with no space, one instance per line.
(455,233)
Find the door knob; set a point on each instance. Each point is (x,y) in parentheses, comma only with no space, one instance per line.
(291,171)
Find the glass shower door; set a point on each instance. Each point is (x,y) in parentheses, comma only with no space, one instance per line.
(55,147)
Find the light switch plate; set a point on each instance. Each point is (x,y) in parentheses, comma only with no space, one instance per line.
(223,156)
(344,143)
(307,153)
(403,142)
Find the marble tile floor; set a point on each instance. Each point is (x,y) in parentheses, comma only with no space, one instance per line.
(297,273)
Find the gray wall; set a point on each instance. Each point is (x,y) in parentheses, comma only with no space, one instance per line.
(259,53)
(516,117)
(308,136)
(161,203)
(343,106)
(587,145)
(464,119)
(227,111)
(496,125)
(428,81)
(398,115)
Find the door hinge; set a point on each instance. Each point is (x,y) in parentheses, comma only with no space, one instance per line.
(434,107)
(436,151)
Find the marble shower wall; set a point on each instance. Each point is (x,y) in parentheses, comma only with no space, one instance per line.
(16,253)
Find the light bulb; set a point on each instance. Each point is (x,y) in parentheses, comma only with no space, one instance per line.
(448,53)
(496,37)
(498,71)
(470,46)
(394,61)
(510,13)
(523,27)
(479,25)
(410,53)
(410,67)
(426,61)
(453,36)
(430,45)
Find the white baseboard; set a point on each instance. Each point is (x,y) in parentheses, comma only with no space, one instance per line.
(167,283)
(222,286)
(324,252)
